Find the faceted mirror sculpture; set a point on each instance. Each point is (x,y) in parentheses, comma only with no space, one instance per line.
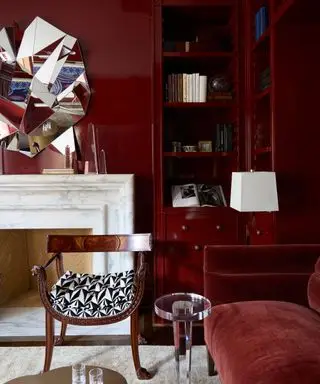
(43,87)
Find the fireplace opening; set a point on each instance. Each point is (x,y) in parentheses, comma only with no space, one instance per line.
(20,250)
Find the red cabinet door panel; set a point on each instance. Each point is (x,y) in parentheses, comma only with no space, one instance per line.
(183,268)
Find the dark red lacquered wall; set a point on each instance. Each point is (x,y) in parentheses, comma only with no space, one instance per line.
(116,40)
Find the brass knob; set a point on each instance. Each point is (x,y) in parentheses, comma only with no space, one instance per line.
(218,227)
(196,247)
(184,227)
(259,232)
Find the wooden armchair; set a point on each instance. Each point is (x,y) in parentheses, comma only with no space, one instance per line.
(83,299)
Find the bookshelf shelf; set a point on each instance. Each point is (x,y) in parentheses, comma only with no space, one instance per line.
(186,210)
(263,94)
(262,151)
(199,154)
(216,54)
(210,104)
(264,38)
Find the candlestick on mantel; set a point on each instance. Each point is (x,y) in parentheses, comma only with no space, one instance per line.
(67,154)
(102,162)
(2,150)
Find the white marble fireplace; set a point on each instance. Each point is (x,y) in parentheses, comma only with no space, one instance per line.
(102,203)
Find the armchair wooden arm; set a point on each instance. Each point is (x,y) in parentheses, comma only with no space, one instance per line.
(58,257)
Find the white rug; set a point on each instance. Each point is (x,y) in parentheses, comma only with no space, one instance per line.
(21,361)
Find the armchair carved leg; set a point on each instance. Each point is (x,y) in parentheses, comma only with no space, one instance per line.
(211,368)
(142,373)
(49,341)
(60,339)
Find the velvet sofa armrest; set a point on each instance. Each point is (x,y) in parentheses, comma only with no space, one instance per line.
(262,272)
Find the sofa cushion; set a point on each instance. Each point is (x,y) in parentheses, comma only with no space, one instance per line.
(85,295)
(260,342)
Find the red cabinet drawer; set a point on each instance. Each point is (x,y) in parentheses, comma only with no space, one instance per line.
(220,227)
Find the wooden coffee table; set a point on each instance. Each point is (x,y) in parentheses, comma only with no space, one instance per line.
(63,375)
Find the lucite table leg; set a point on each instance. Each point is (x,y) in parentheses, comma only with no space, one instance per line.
(176,337)
(188,338)
(182,333)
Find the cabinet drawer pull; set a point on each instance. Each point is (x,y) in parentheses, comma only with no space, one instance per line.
(184,227)
(196,247)
(218,227)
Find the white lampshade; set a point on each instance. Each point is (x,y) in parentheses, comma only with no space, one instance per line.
(254,192)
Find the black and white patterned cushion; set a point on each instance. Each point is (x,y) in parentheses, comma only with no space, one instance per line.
(85,295)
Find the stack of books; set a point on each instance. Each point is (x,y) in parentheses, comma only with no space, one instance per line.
(186,88)
(224,138)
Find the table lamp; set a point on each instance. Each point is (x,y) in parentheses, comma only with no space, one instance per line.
(254,192)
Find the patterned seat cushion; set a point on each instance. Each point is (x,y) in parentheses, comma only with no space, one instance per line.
(87,296)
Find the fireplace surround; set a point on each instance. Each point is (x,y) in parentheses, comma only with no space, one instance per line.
(100,203)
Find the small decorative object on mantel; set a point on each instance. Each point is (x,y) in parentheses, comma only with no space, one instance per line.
(65,144)
(102,162)
(47,91)
(91,164)
(95,159)
(67,157)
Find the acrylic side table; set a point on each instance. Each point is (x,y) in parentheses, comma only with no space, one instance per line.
(182,309)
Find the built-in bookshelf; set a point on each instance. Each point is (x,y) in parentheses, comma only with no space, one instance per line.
(197,136)
(200,94)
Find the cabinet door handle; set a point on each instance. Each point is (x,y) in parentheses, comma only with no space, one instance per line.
(218,227)
(259,233)
(184,227)
(196,247)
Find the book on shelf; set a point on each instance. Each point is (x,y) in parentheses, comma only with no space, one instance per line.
(186,88)
(197,195)
(224,138)
(265,79)
(261,22)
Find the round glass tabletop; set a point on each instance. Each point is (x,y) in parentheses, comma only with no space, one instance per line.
(182,307)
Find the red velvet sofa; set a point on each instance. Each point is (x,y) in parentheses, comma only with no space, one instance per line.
(265,323)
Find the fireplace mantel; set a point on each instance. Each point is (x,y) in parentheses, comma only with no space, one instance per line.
(101,203)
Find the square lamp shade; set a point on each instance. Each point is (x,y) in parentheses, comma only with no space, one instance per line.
(254,192)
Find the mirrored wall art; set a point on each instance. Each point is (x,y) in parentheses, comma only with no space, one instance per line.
(44,89)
